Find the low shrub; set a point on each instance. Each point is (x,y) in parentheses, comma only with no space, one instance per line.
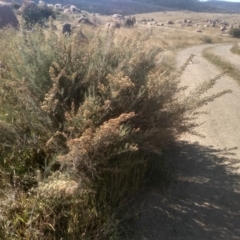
(33,14)
(235,49)
(130,21)
(207,39)
(235,32)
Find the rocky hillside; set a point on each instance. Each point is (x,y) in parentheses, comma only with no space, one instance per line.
(224,6)
(128,7)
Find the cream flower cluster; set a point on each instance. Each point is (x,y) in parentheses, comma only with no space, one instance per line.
(58,189)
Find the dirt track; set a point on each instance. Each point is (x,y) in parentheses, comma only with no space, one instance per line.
(204,202)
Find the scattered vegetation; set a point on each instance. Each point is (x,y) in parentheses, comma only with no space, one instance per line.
(82,120)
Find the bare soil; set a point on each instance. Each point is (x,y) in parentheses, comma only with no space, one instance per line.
(204,201)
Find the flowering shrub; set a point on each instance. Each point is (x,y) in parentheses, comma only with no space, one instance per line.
(79,122)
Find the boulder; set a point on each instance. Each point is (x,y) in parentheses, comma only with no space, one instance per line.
(67,10)
(7,16)
(41,3)
(178,21)
(86,21)
(223,28)
(58,7)
(50,6)
(118,17)
(66,6)
(113,25)
(74,9)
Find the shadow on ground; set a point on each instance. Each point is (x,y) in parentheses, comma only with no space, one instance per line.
(204,201)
